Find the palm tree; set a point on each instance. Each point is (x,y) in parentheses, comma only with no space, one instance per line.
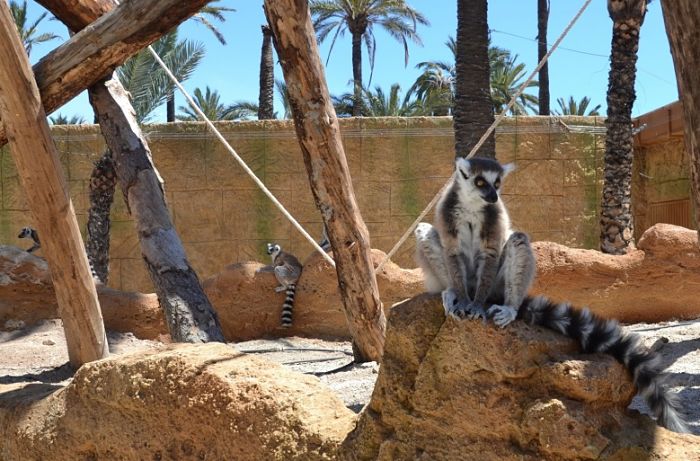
(542,20)
(60,119)
(506,78)
(243,110)
(616,226)
(573,107)
(436,85)
(360,17)
(379,104)
(266,109)
(210,104)
(344,104)
(28,32)
(202,17)
(147,83)
(473,108)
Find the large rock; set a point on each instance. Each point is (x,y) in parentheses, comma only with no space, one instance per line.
(451,389)
(188,402)
(655,283)
(27,296)
(248,307)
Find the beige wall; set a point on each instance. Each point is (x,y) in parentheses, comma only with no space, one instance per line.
(397,165)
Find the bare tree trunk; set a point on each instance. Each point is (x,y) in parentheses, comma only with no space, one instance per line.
(102,183)
(41,175)
(170,107)
(266,107)
(319,137)
(357,102)
(682,19)
(616,225)
(473,111)
(542,20)
(188,312)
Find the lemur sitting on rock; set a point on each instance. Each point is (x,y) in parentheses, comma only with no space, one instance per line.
(484,269)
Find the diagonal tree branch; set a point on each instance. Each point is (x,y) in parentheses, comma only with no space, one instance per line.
(92,54)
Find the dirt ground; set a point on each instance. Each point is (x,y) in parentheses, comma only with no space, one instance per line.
(38,353)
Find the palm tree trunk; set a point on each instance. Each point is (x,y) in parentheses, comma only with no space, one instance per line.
(102,184)
(266,108)
(170,107)
(473,111)
(616,226)
(682,17)
(542,20)
(357,73)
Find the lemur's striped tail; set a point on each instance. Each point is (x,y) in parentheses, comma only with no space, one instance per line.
(596,334)
(288,306)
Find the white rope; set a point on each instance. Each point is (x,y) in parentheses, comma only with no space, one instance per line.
(239,159)
(478,145)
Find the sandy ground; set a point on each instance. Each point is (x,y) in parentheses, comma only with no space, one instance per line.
(38,353)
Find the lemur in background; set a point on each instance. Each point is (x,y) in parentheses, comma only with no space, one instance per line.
(287,271)
(28,232)
(473,257)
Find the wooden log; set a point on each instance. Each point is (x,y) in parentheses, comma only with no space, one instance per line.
(41,176)
(319,137)
(682,19)
(92,54)
(188,312)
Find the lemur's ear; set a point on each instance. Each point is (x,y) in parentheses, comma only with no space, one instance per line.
(507,168)
(463,166)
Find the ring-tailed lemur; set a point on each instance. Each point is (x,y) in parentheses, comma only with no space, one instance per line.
(29,232)
(287,271)
(472,256)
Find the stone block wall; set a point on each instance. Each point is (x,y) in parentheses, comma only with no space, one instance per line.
(397,165)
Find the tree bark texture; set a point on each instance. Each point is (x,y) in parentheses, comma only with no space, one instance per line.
(357,73)
(187,310)
(682,19)
(42,178)
(616,226)
(103,181)
(89,56)
(170,108)
(473,111)
(319,137)
(266,107)
(542,20)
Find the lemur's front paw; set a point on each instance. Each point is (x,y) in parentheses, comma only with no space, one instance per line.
(502,315)
(475,310)
(465,309)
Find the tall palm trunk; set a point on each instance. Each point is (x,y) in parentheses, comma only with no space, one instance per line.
(542,20)
(357,73)
(682,18)
(266,109)
(170,107)
(473,111)
(616,226)
(103,181)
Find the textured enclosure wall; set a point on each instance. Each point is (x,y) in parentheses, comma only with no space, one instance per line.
(397,165)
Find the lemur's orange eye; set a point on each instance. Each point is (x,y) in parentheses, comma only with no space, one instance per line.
(480,182)
(497,184)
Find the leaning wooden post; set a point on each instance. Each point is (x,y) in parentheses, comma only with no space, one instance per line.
(40,172)
(319,136)
(682,19)
(188,312)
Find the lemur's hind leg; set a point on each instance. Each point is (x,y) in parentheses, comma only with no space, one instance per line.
(430,257)
(515,275)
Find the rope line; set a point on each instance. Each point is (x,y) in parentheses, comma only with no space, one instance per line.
(488,132)
(240,161)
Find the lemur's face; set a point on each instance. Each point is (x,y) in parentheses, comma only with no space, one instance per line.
(481,177)
(273,249)
(24,233)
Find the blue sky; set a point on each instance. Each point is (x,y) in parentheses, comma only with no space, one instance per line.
(233,69)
